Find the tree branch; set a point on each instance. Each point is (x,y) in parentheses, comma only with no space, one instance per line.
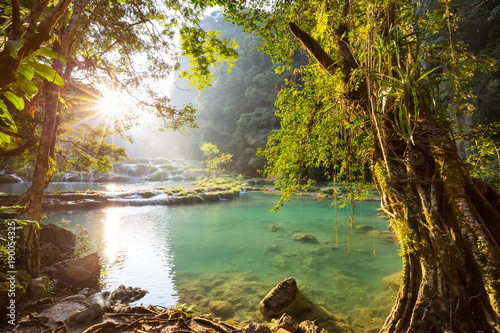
(16,20)
(35,15)
(30,142)
(34,38)
(324,60)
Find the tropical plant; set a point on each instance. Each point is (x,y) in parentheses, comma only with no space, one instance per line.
(369,97)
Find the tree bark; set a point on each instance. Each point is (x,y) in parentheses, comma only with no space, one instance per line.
(40,181)
(29,251)
(451,260)
(41,174)
(451,263)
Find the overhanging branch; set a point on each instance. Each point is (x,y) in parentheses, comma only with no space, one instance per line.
(323,59)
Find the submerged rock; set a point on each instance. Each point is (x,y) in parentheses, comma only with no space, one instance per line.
(273,248)
(364,228)
(387,236)
(306,238)
(392,282)
(275,228)
(222,309)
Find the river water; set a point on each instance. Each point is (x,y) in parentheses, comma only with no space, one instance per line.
(236,250)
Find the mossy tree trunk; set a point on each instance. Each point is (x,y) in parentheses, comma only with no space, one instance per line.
(446,226)
(451,261)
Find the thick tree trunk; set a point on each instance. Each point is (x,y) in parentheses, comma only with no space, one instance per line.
(29,251)
(451,261)
(40,173)
(447,228)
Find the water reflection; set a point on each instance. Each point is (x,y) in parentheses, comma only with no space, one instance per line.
(111,234)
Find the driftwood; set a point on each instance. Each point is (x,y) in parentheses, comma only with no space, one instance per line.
(153,319)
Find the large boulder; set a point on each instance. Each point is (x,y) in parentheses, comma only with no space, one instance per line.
(49,254)
(79,272)
(62,238)
(84,272)
(38,288)
(285,297)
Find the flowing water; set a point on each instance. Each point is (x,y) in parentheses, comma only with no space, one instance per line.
(237,250)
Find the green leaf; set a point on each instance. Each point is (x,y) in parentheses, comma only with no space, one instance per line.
(26,86)
(26,71)
(4,138)
(43,51)
(16,100)
(360,138)
(5,118)
(352,123)
(48,73)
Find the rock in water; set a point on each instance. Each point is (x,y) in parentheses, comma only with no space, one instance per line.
(222,309)
(256,328)
(285,324)
(285,297)
(306,238)
(127,295)
(308,326)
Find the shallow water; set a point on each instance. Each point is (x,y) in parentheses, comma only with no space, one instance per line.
(227,250)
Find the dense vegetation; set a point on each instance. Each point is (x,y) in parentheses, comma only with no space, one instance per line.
(389,88)
(381,91)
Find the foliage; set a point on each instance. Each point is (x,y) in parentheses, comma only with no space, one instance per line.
(184,309)
(205,49)
(237,112)
(102,50)
(405,74)
(214,159)
(484,158)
